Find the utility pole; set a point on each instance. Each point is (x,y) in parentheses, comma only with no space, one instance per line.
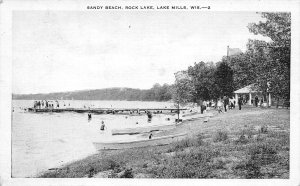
(178,111)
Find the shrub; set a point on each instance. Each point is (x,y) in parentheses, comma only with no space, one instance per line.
(180,145)
(245,135)
(195,164)
(220,136)
(199,140)
(242,140)
(283,138)
(113,164)
(127,173)
(263,129)
(110,164)
(259,155)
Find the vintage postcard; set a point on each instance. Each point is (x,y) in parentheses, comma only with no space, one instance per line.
(130,92)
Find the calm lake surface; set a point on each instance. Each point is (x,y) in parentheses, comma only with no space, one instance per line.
(47,140)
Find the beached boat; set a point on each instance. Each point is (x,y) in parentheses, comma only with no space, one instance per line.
(155,141)
(197,115)
(145,129)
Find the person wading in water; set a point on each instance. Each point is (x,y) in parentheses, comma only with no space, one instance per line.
(102,126)
(89,116)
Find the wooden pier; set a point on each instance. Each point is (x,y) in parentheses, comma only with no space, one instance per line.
(106,110)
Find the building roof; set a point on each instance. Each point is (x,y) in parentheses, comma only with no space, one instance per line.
(247,89)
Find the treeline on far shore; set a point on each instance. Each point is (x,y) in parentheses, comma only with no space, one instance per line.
(156,93)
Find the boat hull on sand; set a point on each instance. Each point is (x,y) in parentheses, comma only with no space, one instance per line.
(164,140)
(139,130)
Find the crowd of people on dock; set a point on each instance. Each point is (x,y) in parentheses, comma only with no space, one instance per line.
(47,104)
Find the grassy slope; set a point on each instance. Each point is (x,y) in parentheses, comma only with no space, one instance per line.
(251,143)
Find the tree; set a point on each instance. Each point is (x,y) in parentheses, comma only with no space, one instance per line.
(261,65)
(182,92)
(202,77)
(224,79)
(276,67)
(243,68)
(165,93)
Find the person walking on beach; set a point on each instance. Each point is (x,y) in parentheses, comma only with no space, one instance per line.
(256,101)
(203,106)
(240,101)
(226,103)
(261,101)
(231,104)
(219,105)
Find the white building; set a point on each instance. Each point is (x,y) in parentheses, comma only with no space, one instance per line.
(249,92)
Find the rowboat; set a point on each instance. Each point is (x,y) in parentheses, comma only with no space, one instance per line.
(145,129)
(164,140)
(197,115)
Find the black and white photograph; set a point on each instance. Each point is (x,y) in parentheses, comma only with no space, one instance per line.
(150,91)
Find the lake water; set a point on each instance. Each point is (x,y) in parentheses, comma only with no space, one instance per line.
(46,140)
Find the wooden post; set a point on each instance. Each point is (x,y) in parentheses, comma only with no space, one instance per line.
(178,111)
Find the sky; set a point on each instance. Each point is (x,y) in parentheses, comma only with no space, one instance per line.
(55,51)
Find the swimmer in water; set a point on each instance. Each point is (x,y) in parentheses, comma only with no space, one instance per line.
(150,136)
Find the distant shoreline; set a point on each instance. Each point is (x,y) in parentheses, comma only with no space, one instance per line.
(156,93)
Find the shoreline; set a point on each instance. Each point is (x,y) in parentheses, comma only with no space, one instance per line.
(241,130)
(157,134)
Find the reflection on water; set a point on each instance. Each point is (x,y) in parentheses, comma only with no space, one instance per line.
(45,140)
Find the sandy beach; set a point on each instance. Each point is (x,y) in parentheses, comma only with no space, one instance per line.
(224,147)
